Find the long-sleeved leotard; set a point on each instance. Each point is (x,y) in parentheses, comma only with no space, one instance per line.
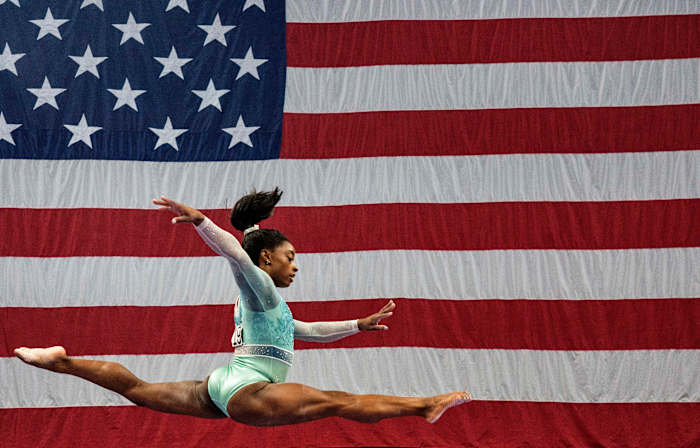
(324,331)
(257,289)
(265,330)
(259,292)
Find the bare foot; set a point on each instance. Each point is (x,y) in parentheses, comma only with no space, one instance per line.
(441,403)
(45,358)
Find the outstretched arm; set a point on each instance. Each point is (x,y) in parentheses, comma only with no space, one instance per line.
(220,241)
(324,331)
(226,245)
(332,331)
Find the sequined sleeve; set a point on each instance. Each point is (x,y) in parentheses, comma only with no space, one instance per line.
(324,331)
(249,277)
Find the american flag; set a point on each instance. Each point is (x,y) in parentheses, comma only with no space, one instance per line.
(522,178)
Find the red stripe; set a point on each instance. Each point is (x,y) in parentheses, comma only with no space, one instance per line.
(479,423)
(474,226)
(500,131)
(477,324)
(492,41)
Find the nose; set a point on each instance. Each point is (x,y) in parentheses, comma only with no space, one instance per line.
(295,268)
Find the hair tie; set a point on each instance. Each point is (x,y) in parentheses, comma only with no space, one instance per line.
(252,228)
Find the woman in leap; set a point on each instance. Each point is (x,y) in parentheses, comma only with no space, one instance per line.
(251,388)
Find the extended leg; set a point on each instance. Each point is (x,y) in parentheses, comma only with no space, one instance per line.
(184,397)
(265,404)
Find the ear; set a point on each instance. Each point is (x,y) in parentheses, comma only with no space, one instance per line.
(265,257)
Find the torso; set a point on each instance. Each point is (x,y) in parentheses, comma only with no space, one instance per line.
(264,333)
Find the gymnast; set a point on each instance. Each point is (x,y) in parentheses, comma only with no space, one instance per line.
(251,388)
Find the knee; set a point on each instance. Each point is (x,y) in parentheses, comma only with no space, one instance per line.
(137,394)
(131,387)
(335,400)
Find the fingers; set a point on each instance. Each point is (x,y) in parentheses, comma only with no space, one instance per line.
(380,316)
(162,201)
(388,307)
(165,202)
(386,311)
(371,323)
(180,219)
(168,204)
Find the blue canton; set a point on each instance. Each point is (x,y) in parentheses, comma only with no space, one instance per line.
(142,80)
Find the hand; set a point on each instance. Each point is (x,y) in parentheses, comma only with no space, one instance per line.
(183,212)
(371,323)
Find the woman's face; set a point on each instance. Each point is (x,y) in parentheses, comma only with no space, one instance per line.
(279,264)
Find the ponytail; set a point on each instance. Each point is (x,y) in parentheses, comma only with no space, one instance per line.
(254,207)
(250,210)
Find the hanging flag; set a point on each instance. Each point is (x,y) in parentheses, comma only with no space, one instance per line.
(522,179)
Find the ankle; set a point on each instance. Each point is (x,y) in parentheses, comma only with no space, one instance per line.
(426,406)
(62,365)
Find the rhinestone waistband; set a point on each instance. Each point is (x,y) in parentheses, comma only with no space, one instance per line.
(267,351)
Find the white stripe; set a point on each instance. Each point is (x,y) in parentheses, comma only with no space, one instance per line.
(369,10)
(492,86)
(318,182)
(503,375)
(459,275)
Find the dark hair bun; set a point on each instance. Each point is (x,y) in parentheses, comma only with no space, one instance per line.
(254,207)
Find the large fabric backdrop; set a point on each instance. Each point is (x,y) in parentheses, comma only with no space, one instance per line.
(521,177)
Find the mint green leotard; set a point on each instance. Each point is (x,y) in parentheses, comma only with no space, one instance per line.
(265,329)
(264,342)
(264,334)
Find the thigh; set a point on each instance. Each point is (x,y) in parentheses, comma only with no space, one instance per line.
(181,397)
(268,404)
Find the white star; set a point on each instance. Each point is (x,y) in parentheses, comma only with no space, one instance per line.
(6,130)
(97,3)
(14,2)
(177,3)
(216,31)
(210,97)
(81,132)
(8,60)
(131,29)
(126,96)
(259,3)
(46,94)
(88,63)
(167,135)
(49,25)
(248,64)
(241,133)
(172,64)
